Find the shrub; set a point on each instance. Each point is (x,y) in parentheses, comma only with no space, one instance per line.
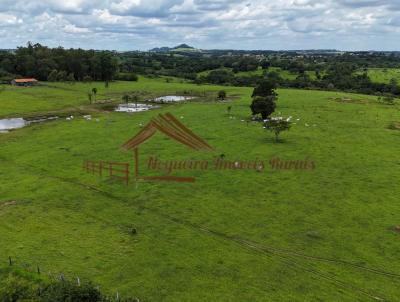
(70,291)
(71,77)
(277,125)
(52,77)
(222,95)
(62,76)
(127,77)
(15,288)
(87,79)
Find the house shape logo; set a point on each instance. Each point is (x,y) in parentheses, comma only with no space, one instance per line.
(173,128)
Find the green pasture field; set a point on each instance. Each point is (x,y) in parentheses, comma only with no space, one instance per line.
(48,97)
(327,234)
(383,75)
(259,72)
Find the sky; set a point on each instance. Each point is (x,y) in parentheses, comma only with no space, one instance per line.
(206,24)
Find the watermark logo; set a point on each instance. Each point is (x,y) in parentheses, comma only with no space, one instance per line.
(170,126)
(173,128)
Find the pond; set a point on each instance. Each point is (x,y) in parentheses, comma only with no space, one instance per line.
(171,99)
(11,123)
(15,123)
(131,107)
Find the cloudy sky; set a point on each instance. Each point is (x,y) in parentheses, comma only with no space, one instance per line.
(234,24)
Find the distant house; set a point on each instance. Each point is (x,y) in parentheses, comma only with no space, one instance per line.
(24,82)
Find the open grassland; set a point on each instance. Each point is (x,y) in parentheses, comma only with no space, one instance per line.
(15,101)
(383,75)
(285,74)
(322,235)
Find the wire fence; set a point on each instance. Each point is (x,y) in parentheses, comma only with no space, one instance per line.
(15,263)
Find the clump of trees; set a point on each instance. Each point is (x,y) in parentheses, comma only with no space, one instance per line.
(131,97)
(264,99)
(59,64)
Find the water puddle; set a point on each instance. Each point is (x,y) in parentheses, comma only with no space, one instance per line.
(131,107)
(171,99)
(16,123)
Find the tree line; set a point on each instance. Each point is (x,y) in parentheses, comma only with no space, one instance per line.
(58,64)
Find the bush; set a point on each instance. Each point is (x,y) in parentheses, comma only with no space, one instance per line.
(277,125)
(70,291)
(87,79)
(71,77)
(222,95)
(21,286)
(62,76)
(52,77)
(127,77)
(16,288)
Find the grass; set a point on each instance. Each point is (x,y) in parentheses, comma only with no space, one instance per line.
(17,101)
(232,235)
(383,75)
(259,72)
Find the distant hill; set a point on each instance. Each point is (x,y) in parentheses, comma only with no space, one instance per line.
(185,46)
(180,48)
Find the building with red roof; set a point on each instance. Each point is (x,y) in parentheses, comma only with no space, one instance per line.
(24,82)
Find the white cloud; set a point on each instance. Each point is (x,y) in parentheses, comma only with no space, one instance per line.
(9,20)
(261,24)
(72,29)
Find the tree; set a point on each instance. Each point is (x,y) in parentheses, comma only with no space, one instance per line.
(263,105)
(222,95)
(126,98)
(135,98)
(94,92)
(220,77)
(265,88)
(277,125)
(394,87)
(71,78)
(265,65)
(87,79)
(61,76)
(53,76)
(264,98)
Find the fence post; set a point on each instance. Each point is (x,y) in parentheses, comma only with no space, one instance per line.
(127,173)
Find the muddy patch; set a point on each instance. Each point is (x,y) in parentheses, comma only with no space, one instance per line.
(349,100)
(7,204)
(394,126)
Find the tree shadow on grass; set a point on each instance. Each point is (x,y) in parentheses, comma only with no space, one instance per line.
(281,141)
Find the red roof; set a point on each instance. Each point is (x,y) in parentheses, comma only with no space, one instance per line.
(25,80)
